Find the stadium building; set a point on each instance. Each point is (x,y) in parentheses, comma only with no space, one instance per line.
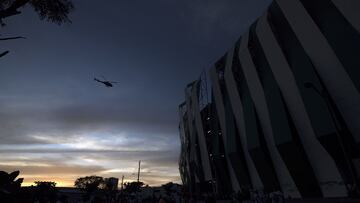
(280,111)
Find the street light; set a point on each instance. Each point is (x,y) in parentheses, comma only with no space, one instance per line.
(325,96)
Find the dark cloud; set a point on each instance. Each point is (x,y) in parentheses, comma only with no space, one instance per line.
(20,123)
(228,16)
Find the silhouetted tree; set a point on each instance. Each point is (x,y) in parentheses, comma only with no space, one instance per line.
(46,191)
(110,188)
(9,187)
(131,187)
(90,184)
(108,184)
(56,11)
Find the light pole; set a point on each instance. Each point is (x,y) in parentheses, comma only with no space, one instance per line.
(325,96)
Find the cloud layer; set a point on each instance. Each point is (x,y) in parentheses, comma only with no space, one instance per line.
(57,124)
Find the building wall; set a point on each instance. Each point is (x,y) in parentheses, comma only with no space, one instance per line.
(277,132)
(194,159)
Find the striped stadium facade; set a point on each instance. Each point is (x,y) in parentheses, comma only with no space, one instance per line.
(283,112)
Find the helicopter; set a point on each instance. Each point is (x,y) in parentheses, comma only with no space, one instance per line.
(105,82)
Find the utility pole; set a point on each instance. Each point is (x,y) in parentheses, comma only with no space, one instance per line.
(122,182)
(138,177)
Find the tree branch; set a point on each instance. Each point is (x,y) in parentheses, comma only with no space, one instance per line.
(7,13)
(12,10)
(4,53)
(10,38)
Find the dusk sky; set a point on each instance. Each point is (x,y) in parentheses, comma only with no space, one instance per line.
(57,123)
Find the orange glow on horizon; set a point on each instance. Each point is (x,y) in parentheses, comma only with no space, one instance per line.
(59,182)
(69,182)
